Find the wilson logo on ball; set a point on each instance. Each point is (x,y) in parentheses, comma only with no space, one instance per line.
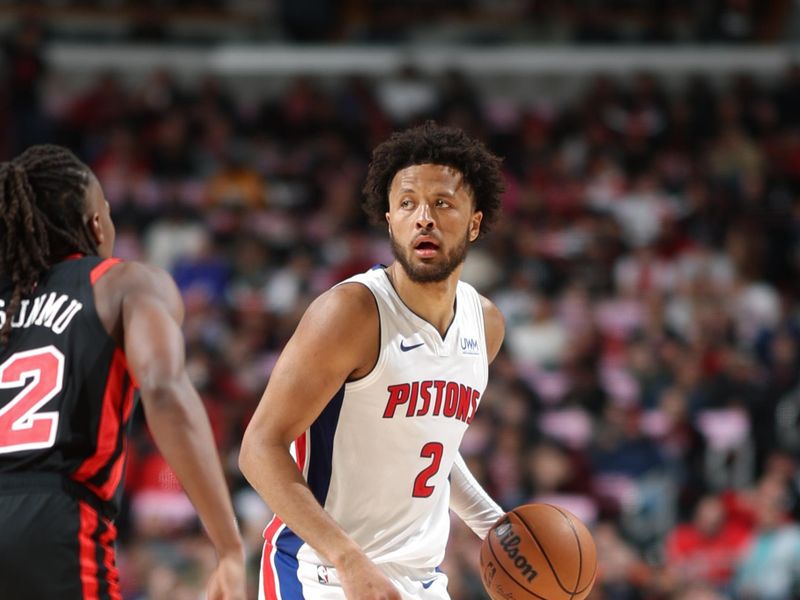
(509,542)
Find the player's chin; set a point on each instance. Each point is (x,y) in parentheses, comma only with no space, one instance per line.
(431,274)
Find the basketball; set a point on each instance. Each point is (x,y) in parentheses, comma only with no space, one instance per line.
(538,551)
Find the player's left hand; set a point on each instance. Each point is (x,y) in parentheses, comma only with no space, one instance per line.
(227,582)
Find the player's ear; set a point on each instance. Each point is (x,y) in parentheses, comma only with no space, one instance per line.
(475,225)
(95,229)
(389,223)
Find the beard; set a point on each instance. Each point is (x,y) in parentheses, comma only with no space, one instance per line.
(430,272)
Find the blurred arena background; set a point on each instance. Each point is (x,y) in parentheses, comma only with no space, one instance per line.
(648,262)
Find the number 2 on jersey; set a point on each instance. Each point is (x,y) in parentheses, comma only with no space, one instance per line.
(21,427)
(432,450)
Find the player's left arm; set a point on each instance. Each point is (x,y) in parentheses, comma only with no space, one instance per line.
(494,325)
(467,498)
(470,501)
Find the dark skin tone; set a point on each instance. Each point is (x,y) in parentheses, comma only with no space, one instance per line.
(431,213)
(141,308)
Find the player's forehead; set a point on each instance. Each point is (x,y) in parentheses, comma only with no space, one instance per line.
(428,175)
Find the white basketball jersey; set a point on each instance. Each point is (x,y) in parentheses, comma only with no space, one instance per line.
(379,456)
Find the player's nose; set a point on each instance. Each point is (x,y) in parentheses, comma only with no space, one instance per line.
(424,216)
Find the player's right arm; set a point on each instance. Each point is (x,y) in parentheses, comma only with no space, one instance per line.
(142,308)
(337,339)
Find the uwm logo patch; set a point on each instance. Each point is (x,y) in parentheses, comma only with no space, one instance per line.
(469,345)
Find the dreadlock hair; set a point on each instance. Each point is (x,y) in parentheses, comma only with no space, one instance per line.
(42,206)
(434,144)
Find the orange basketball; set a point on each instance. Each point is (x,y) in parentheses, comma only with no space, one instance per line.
(538,551)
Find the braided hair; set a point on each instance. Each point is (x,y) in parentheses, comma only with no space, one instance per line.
(42,206)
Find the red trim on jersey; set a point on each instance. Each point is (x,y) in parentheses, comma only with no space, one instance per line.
(73,256)
(270,582)
(272,528)
(106,491)
(300,449)
(108,431)
(101,269)
(88,560)
(112,575)
(271,532)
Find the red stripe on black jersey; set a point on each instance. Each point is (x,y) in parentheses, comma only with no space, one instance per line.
(102,268)
(98,571)
(88,549)
(116,408)
(108,489)
(111,578)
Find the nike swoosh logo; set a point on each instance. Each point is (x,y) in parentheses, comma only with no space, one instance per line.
(427,584)
(405,348)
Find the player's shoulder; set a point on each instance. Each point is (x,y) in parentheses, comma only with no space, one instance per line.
(138,275)
(348,301)
(130,284)
(494,324)
(346,312)
(131,279)
(491,314)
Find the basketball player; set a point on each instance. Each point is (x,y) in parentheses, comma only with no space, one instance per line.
(80,332)
(355,442)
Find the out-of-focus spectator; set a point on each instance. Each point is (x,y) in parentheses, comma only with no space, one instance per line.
(236,185)
(540,340)
(707,549)
(178,233)
(770,569)
(205,272)
(158,505)
(624,574)
(25,72)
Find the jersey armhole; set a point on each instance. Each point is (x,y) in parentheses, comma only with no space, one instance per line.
(482,326)
(102,268)
(379,359)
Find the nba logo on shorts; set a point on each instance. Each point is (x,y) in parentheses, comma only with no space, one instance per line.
(322,574)
(469,345)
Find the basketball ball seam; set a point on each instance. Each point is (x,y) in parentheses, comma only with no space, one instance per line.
(510,575)
(544,554)
(580,549)
(580,553)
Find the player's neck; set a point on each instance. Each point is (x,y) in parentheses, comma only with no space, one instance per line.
(434,302)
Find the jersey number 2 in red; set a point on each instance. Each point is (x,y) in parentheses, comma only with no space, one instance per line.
(432,450)
(40,374)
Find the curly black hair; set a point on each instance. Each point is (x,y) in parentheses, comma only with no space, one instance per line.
(435,144)
(42,202)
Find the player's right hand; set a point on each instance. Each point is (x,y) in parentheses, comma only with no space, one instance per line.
(362,580)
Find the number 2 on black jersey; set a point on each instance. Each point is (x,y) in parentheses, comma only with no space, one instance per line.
(41,372)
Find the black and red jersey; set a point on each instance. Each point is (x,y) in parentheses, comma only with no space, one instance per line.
(66,396)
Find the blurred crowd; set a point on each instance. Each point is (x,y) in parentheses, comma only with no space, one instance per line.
(435,21)
(647,265)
